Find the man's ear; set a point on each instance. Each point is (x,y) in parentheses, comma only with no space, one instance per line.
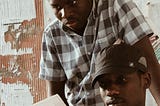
(147,80)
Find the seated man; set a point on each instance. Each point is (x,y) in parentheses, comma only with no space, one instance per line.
(121,73)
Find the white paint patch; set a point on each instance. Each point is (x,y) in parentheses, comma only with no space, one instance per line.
(48,13)
(150,9)
(149,99)
(154,14)
(17,94)
(5,49)
(16,10)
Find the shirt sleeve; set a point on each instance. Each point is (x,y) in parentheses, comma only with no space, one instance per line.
(132,25)
(50,66)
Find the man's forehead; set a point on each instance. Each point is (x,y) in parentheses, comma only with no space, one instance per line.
(53,1)
(113,75)
(58,1)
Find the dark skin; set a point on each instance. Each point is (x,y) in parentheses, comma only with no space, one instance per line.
(56,88)
(74,14)
(123,89)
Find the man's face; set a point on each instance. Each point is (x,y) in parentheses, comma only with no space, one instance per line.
(123,89)
(73,13)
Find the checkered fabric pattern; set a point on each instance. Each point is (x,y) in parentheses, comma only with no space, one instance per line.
(68,56)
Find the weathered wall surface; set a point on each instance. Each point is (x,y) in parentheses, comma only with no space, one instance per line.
(150,9)
(21,27)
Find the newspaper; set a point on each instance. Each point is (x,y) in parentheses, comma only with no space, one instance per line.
(54,100)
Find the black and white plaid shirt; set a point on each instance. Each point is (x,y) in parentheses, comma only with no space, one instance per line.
(66,55)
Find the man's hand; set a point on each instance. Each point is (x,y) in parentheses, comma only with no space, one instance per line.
(56,88)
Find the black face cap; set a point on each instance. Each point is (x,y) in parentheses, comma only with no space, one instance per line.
(119,58)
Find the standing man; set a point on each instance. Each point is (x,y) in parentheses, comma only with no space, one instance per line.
(122,75)
(83,28)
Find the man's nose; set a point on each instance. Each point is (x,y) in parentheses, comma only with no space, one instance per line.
(112,90)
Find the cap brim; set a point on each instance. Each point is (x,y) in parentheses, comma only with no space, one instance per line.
(110,70)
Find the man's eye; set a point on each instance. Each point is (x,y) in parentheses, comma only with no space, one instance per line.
(105,84)
(101,85)
(57,7)
(71,2)
(74,1)
(121,80)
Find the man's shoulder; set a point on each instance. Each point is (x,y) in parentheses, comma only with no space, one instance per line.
(55,24)
(55,29)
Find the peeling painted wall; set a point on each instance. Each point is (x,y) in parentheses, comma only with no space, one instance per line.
(21,27)
(17,94)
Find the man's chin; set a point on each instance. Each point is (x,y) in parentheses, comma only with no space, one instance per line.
(73,26)
(117,104)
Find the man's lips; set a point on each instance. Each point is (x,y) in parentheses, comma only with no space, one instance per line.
(69,20)
(115,100)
